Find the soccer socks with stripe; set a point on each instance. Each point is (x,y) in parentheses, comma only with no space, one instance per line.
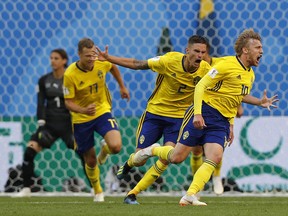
(93,174)
(149,178)
(163,152)
(217,170)
(196,161)
(130,162)
(201,177)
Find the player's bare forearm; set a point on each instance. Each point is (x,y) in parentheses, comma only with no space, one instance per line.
(130,63)
(124,62)
(141,64)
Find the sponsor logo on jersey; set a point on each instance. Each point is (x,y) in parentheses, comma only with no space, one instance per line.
(155,58)
(212,73)
(65,91)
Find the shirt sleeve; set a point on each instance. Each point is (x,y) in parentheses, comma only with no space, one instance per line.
(68,87)
(41,97)
(156,64)
(208,81)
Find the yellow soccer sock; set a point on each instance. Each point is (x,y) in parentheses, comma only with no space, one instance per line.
(149,178)
(163,152)
(106,149)
(196,161)
(201,177)
(217,170)
(94,177)
(130,160)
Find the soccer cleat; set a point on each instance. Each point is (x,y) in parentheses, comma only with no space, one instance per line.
(123,171)
(131,199)
(144,154)
(102,156)
(99,197)
(25,192)
(217,185)
(191,200)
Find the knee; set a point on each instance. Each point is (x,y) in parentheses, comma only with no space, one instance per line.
(176,159)
(115,148)
(91,161)
(218,159)
(197,152)
(29,154)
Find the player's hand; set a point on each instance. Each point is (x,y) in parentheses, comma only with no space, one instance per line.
(199,122)
(240,111)
(268,102)
(231,135)
(125,93)
(102,56)
(90,110)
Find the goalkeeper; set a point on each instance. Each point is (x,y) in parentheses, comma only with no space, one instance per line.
(54,120)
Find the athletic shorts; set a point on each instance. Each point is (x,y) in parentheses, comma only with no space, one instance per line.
(52,134)
(84,132)
(152,127)
(217,130)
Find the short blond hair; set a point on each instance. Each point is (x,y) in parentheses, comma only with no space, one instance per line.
(243,40)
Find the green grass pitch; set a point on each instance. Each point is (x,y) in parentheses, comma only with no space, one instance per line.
(150,206)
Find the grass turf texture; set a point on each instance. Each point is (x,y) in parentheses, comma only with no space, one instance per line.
(150,206)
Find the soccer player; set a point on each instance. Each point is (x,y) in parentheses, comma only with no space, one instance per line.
(178,74)
(207,122)
(197,155)
(88,99)
(53,118)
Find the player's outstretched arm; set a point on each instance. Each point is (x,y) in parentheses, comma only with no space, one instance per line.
(264,102)
(124,62)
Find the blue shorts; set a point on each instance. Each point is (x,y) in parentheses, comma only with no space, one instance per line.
(84,132)
(152,127)
(217,130)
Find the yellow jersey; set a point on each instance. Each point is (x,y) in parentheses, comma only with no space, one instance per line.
(174,90)
(226,84)
(88,87)
(215,60)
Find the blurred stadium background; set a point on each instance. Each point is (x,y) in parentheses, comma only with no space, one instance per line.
(30,29)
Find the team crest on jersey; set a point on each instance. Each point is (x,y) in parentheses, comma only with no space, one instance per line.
(155,58)
(142,139)
(213,72)
(185,135)
(100,74)
(196,80)
(47,85)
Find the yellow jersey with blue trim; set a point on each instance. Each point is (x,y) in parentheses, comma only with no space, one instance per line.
(224,87)
(88,87)
(174,90)
(215,60)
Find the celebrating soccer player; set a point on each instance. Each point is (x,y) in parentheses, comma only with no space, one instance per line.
(88,99)
(207,122)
